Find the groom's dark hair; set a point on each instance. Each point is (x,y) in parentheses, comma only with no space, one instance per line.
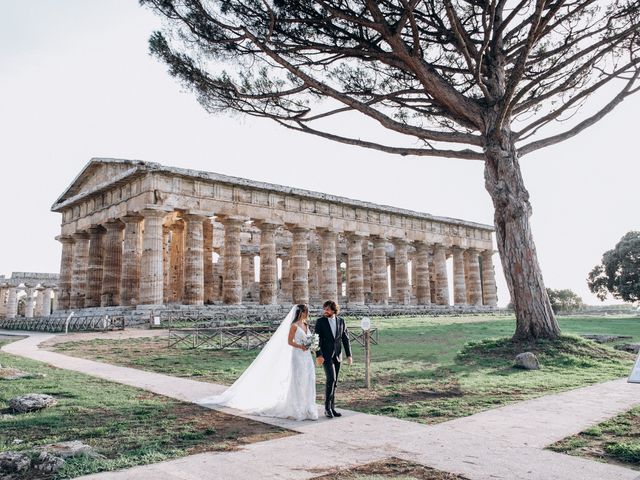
(332,305)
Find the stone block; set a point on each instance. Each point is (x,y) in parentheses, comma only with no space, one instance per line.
(527,360)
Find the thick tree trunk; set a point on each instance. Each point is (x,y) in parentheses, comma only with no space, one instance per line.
(503,180)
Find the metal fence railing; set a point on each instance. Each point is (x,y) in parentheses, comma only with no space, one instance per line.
(70,323)
(247,337)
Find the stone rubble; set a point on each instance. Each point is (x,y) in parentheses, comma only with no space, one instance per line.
(527,360)
(31,402)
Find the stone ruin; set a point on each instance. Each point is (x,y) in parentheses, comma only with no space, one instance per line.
(39,291)
(141,236)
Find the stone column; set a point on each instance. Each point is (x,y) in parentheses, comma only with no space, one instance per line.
(268,264)
(66,271)
(340,278)
(28,303)
(131,257)
(54,300)
(432,278)
(392,280)
(39,301)
(459,285)
(151,268)
(423,287)
(299,270)
(46,301)
(248,274)
(467,282)
(94,268)
(287,277)
(440,266)
(232,285)
(255,286)
(366,273)
(474,288)
(194,260)
(281,279)
(329,274)
(218,277)
(356,269)
(347,282)
(489,291)
(380,286)
(209,287)
(414,278)
(112,264)
(313,277)
(176,262)
(12,303)
(80,265)
(3,301)
(166,264)
(403,294)
(319,297)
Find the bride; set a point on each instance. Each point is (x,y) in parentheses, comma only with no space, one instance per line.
(281,381)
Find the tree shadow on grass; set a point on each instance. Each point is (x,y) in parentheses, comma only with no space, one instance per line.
(567,351)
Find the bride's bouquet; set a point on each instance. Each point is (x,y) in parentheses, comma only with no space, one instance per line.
(311,341)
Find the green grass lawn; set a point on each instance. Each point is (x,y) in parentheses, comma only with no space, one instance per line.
(127,425)
(613,441)
(428,369)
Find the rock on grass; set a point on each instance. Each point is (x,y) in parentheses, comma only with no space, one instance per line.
(527,360)
(73,448)
(31,402)
(48,463)
(13,462)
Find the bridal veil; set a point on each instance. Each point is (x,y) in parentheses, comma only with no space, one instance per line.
(264,384)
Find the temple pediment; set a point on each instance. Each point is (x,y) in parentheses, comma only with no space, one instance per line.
(99,172)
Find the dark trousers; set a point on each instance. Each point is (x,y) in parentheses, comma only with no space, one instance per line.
(331,370)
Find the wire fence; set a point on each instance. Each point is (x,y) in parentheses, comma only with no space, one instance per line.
(71,323)
(245,337)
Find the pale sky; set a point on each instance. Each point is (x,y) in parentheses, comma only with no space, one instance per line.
(76,82)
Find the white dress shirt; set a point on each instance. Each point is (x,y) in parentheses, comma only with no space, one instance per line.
(332,324)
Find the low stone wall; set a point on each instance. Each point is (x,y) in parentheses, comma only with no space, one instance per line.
(142,316)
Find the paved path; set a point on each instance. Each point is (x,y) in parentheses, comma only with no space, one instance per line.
(504,443)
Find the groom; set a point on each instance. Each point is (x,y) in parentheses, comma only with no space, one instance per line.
(332,333)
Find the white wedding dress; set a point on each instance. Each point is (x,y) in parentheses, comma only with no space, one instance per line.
(280,382)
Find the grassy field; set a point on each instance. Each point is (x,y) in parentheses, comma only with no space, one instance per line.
(127,425)
(426,369)
(613,441)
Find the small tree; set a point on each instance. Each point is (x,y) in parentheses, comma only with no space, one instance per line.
(469,79)
(619,271)
(564,301)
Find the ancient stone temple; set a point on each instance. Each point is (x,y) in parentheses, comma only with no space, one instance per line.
(138,234)
(34,293)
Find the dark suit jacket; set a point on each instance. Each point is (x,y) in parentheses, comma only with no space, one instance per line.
(330,346)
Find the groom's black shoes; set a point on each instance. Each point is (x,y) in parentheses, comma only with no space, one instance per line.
(329,414)
(335,413)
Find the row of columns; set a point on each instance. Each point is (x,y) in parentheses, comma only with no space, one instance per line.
(40,306)
(102,267)
(139,260)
